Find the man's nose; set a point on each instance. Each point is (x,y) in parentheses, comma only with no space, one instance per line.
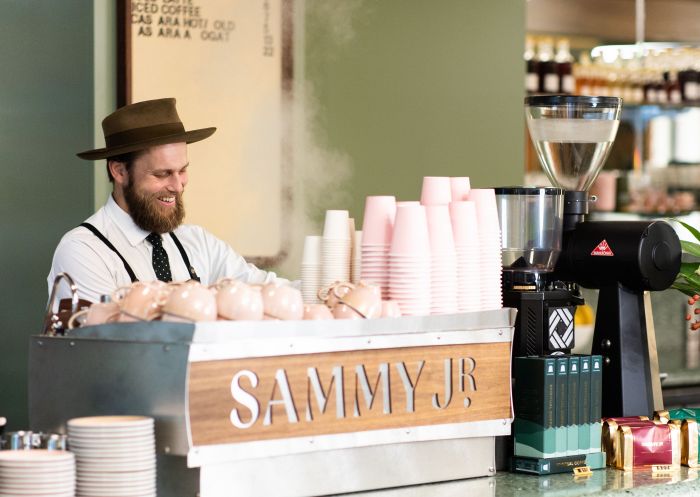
(177,183)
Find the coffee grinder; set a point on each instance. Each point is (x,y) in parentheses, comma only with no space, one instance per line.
(549,250)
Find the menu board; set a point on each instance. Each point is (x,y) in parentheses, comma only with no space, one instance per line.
(223,62)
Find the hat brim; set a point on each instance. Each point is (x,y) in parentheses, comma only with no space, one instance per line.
(188,137)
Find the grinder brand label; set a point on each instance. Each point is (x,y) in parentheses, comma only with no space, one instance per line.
(603,249)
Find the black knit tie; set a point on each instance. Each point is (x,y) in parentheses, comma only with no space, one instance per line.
(161,265)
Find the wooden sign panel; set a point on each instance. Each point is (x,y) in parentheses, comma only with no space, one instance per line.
(242,400)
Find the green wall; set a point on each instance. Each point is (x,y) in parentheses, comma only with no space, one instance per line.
(411,88)
(46,116)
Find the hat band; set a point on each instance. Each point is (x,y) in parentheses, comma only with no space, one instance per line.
(138,135)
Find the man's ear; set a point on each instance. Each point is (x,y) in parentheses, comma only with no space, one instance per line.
(119,172)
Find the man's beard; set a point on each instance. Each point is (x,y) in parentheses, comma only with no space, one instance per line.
(148,215)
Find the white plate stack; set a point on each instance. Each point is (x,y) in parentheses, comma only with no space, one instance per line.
(443,261)
(377,232)
(409,260)
(311,269)
(115,456)
(336,246)
(489,248)
(466,238)
(37,473)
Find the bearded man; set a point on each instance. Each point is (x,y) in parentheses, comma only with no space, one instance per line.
(138,234)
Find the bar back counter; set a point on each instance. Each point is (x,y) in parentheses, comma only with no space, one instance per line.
(291,408)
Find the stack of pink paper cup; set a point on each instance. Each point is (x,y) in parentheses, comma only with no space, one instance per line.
(465,230)
(311,269)
(409,261)
(436,190)
(335,248)
(443,261)
(490,248)
(377,232)
(460,188)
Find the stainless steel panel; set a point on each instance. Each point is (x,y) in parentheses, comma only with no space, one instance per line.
(71,377)
(353,470)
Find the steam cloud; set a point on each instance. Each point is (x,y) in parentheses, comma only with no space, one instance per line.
(318,172)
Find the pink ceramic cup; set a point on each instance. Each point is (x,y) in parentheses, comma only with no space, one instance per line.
(190,301)
(331,294)
(465,227)
(410,231)
(141,301)
(460,188)
(436,191)
(317,311)
(97,313)
(365,299)
(238,302)
(391,309)
(282,302)
(378,221)
(343,311)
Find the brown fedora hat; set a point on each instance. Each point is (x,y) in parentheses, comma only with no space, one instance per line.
(142,125)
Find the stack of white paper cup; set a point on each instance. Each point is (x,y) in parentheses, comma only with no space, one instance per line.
(115,455)
(356,260)
(409,260)
(489,247)
(436,190)
(443,261)
(311,269)
(466,239)
(37,472)
(335,248)
(377,233)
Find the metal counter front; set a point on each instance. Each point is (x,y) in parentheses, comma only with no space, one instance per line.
(291,408)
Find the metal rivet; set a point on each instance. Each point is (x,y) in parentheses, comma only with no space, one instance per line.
(40,343)
(72,344)
(607,361)
(166,449)
(492,469)
(166,348)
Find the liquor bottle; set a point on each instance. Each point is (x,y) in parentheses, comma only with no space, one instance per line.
(531,67)
(583,75)
(673,88)
(547,68)
(564,61)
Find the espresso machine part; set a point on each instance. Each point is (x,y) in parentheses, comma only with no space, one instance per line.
(531,226)
(573,136)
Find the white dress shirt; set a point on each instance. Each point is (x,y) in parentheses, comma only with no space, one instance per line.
(97,270)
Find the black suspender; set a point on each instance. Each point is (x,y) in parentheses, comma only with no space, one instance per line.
(180,248)
(99,235)
(190,269)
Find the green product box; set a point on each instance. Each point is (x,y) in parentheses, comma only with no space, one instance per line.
(687,413)
(573,410)
(596,401)
(561,412)
(566,464)
(534,405)
(584,404)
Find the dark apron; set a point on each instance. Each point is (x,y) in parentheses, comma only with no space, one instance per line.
(180,248)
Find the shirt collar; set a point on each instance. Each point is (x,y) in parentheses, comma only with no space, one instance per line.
(122,219)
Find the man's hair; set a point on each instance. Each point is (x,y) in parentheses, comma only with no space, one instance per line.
(127,159)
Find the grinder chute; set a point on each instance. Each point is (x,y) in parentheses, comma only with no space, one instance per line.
(573,136)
